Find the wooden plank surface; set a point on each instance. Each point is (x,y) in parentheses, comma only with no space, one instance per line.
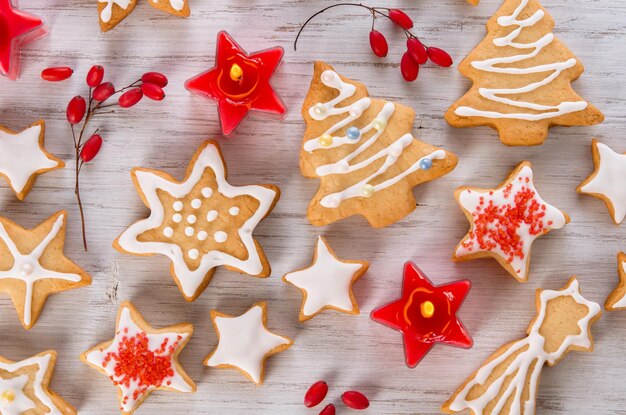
(348,351)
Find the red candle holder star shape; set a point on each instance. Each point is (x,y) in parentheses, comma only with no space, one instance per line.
(239,82)
(426,314)
(16,30)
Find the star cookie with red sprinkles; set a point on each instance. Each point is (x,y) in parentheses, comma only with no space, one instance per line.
(141,359)
(505,221)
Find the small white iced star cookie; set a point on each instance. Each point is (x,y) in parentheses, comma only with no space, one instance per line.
(25,387)
(607,180)
(23,157)
(245,342)
(200,223)
(327,282)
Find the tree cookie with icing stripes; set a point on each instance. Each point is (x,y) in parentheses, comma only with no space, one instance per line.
(327,282)
(112,12)
(25,387)
(23,157)
(522,77)
(33,266)
(363,153)
(505,221)
(201,222)
(141,359)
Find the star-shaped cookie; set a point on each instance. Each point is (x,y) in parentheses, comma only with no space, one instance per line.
(141,359)
(327,283)
(25,387)
(200,223)
(112,12)
(245,342)
(607,180)
(617,299)
(23,157)
(33,266)
(505,221)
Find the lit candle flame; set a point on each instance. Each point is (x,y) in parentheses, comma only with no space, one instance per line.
(236,73)
(428,309)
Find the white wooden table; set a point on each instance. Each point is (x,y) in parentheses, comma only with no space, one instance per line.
(348,351)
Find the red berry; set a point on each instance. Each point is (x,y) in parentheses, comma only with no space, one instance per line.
(103,91)
(95,76)
(328,410)
(153,91)
(316,394)
(76,109)
(439,57)
(409,68)
(401,18)
(130,97)
(57,74)
(355,400)
(155,78)
(417,50)
(91,148)
(378,43)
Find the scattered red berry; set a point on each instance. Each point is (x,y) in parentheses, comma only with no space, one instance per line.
(60,73)
(409,68)
(95,76)
(103,91)
(328,410)
(316,394)
(355,400)
(152,91)
(91,148)
(155,78)
(439,57)
(378,43)
(417,50)
(76,109)
(401,18)
(130,97)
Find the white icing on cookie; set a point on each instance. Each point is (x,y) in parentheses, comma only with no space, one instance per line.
(28,269)
(176,4)
(19,402)
(192,219)
(244,342)
(21,156)
(327,282)
(107,12)
(178,206)
(211,215)
(492,65)
(202,235)
(196,203)
(169,232)
(220,236)
(622,301)
(189,231)
(177,217)
(207,192)
(234,211)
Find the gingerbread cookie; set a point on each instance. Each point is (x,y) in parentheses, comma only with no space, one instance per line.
(607,180)
(23,157)
(505,221)
(363,153)
(327,283)
(245,343)
(473,2)
(507,382)
(33,266)
(522,78)
(25,387)
(112,12)
(141,359)
(617,299)
(200,223)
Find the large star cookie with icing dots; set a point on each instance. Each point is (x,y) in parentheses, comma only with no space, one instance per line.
(245,342)
(33,266)
(327,283)
(25,387)
(505,221)
(23,157)
(200,223)
(617,299)
(141,359)
(112,12)
(607,180)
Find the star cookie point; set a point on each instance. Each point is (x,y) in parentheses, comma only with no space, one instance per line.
(617,299)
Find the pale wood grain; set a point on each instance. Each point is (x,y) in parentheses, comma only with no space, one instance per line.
(347,351)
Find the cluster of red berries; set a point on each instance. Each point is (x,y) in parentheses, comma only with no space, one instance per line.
(416,54)
(318,391)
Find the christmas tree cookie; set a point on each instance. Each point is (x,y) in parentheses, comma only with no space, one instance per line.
(363,153)
(522,78)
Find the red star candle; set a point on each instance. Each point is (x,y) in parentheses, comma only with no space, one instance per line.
(239,82)
(425,314)
(16,30)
